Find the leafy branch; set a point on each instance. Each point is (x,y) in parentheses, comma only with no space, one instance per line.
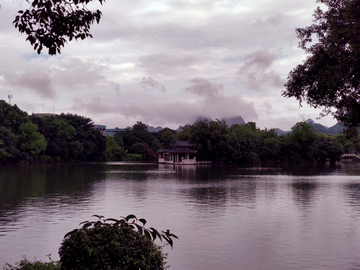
(50,23)
(130,221)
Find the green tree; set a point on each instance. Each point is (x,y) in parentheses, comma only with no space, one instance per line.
(113,150)
(52,23)
(140,134)
(8,142)
(208,138)
(327,149)
(166,137)
(60,137)
(244,143)
(30,139)
(303,139)
(11,116)
(330,76)
(138,148)
(87,137)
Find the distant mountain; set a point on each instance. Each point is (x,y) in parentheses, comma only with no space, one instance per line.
(180,128)
(337,128)
(234,120)
(334,130)
(154,129)
(228,120)
(279,131)
(319,128)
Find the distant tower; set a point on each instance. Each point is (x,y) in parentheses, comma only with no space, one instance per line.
(10,97)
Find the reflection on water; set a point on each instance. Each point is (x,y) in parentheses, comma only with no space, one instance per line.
(226,217)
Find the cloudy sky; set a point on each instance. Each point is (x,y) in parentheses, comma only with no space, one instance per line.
(165,62)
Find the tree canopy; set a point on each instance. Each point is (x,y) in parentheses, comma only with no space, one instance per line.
(52,23)
(329,78)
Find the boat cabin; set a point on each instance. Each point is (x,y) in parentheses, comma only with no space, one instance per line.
(179,153)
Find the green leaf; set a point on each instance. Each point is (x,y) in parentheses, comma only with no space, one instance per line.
(69,233)
(147,234)
(84,222)
(143,221)
(130,217)
(155,233)
(86,225)
(112,219)
(140,229)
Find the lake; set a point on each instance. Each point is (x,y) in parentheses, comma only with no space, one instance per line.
(296,217)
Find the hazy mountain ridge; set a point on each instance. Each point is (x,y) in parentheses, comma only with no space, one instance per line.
(228,120)
(319,128)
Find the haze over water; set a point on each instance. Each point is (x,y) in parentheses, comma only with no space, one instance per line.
(226,217)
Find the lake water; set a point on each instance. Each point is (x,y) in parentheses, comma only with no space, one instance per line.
(226,217)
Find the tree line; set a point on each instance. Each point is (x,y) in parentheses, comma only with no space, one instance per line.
(248,144)
(70,137)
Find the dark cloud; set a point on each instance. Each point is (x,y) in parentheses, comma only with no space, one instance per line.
(38,81)
(162,108)
(258,70)
(204,88)
(150,83)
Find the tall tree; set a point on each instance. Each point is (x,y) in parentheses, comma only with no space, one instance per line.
(330,76)
(11,116)
(8,140)
(91,140)
(60,137)
(30,139)
(51,23)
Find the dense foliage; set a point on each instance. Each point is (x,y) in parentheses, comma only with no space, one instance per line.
(68,137)
(65,137)
(247,144)
(330,76)
(51,23)
(108,244)
(114,244)
(25,264)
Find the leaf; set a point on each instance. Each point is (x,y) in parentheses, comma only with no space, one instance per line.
(86,225)
(130,217)
(84,222)
(155,233)
(147,234)
(112,219)
(143,221)
(73,231)
(169,240)
(173,235)
(140,229)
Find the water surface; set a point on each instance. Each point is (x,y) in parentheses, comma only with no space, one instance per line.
(226,217)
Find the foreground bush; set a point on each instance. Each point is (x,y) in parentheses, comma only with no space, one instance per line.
(114,244)
(36,265)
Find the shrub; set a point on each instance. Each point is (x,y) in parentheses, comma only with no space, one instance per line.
(114,244)
(36,265)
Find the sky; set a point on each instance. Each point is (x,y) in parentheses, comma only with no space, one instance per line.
(165,63)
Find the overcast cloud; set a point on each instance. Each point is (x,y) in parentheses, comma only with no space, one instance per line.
(165,62)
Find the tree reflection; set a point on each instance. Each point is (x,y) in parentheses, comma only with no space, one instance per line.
(304,192)
(353,194)
(67,184)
